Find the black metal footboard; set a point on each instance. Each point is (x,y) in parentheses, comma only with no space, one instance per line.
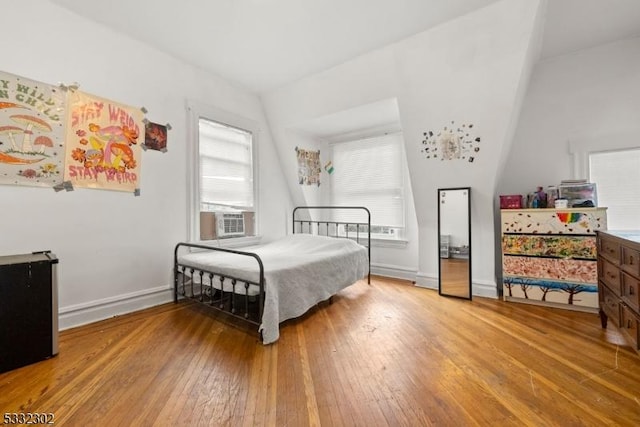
(358,230)
(235,296)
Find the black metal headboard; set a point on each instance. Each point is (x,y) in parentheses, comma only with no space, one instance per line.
(331,228)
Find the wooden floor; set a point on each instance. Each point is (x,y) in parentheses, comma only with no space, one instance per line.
(454,277)
(385,354)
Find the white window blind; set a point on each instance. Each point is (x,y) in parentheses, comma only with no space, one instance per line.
(226,170)
(368,172)
(616,175)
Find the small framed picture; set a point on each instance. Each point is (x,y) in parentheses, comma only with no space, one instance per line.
(155,137)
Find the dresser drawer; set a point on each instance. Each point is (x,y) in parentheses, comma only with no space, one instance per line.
(630,261)
(629,325)
(609,249)
(609,303)
(630,289)
(610,275)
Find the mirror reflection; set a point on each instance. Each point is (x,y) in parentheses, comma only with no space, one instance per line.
(454,231)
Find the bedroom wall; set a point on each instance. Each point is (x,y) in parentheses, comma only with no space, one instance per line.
(585,98)
(470,70)
(288,109)
(115,250)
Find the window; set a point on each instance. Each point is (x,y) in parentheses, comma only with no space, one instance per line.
(617,174)
(369,172)
(222,184)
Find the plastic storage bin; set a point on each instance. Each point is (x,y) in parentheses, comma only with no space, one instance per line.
(513,201)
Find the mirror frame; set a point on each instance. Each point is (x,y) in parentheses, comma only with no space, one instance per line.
(440,290)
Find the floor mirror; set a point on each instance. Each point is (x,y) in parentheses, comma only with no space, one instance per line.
(454,241)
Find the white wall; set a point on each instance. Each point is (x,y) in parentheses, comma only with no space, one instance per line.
(115,249)
(588,98)
(470,70)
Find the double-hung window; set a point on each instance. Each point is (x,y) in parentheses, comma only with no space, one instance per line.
(223,196)
(617,174)
(369,172)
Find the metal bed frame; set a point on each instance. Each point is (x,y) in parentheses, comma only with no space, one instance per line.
(198,285)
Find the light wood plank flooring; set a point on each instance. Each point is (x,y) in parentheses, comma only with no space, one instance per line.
(385,354)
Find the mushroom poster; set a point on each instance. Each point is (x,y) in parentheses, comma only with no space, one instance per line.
(102,148)
(32,117)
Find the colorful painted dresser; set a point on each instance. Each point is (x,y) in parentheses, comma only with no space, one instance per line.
(549,256)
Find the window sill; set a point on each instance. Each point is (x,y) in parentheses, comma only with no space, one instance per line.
(381,243)
(389,243)
(233,242)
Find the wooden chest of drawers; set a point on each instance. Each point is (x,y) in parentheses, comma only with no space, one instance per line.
(619,281)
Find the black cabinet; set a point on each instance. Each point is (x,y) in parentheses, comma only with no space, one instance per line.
(28,309)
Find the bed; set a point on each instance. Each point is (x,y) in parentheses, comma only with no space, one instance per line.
(273,282)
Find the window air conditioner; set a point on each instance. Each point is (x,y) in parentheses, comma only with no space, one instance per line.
(229,224)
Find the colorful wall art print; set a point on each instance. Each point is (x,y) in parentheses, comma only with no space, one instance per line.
(31,132)
(103,143)
(582,271)
(551,291)
(155,136)
(581,247)
(545,221)
(308,167)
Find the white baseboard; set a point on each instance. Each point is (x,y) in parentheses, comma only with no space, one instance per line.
(429,281)
(485,289)
(393,271)
(93,311)
(479,288)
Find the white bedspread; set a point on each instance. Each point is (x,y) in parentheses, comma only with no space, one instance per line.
(300,271)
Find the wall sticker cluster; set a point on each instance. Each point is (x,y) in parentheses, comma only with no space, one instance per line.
(452,142)
(60,137)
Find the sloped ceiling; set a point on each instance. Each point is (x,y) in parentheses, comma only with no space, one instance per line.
(376,116)
(265,44)
(573,25)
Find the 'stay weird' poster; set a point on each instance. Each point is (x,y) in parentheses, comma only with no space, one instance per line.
(103,143)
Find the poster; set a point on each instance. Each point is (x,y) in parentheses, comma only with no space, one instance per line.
(155,137)
(308,167)
(103,143)
(32,117)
